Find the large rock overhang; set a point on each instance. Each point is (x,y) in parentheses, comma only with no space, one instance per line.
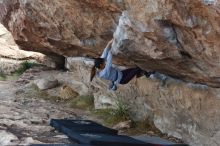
(178,38)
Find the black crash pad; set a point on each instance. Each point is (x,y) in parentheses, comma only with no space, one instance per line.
(58,145)
(87,132)
(82,126)
(97,139)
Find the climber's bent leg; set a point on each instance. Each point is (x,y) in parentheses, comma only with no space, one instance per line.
(128,74)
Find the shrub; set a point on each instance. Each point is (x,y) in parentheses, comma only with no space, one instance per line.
(2,76)
(113,116)
(24,66)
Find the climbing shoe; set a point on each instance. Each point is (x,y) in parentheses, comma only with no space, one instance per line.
(112,86)
(163,82)
(140,74)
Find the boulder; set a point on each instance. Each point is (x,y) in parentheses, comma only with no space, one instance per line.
(66,92)
(104,101)
(46,83)
(7,138)
(123,125)
(184,110)
(40,25)
(178,38)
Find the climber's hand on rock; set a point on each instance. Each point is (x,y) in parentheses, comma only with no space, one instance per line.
(111,41)
(109,45)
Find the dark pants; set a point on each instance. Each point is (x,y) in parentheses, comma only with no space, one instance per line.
(128,74)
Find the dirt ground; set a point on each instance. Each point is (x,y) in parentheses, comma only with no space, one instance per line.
(25,120)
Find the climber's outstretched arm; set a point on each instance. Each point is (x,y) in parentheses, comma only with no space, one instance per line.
(107,57)
(109,44)
(106,50)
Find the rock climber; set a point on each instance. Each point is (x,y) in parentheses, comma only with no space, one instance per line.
(103,69)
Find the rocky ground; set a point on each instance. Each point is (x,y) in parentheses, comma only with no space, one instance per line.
(25,119)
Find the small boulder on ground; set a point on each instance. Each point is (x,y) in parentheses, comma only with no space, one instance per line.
(66,92)
(47,83)
(123,125)
(7,138)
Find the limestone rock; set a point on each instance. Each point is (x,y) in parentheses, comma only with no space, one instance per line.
(178,38)
(81,69)
(80,64)
(29,141)
(123,125)
(66,92)
(41,25)
(46,83)
(185,110)
(7,138)
(11,56)
(104,101)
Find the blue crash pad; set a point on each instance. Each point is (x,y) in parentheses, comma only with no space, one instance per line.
(90,133)
(82,126)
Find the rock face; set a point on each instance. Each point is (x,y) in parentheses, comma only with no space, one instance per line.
(68,28)
(176,38)
(184,110)
(81,67)
(179,38)
(11,56)
(9,48)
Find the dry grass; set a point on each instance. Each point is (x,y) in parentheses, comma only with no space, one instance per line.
(34,92)
(82,102)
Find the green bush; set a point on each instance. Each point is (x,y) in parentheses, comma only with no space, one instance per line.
(2,76)
(114,116)
(24,66)
(122,109)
